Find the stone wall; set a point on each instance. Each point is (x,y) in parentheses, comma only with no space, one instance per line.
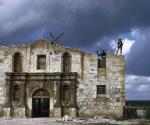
(5,66)
(113,76)
(89,76)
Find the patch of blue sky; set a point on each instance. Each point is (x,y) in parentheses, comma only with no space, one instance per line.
(39,33)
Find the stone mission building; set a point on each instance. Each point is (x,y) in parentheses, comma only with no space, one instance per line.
(49,80)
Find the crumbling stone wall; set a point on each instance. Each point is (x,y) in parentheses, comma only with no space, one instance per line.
(89,76)
(111,103)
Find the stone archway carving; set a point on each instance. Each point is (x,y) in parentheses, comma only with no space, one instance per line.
(41,93)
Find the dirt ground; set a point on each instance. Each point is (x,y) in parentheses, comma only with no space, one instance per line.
(49,121)
(31,121)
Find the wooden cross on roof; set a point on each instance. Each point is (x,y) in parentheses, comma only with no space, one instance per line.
(55,38)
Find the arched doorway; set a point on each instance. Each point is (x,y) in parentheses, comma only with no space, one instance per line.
(40,103)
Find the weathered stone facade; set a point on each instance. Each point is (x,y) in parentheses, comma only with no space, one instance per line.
(67,81)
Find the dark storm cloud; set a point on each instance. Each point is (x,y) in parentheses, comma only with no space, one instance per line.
(137,87)
(87,24)
(139,59)
(84,22)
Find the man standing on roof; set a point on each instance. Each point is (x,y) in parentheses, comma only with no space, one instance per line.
(119,46)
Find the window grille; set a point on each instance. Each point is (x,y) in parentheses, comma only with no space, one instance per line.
(101,89)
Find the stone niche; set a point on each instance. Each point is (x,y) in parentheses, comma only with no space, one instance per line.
(40,94)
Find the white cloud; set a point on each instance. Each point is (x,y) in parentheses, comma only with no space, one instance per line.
(136,33)
(143,88)
(129,86)
(137,79)
(127,44)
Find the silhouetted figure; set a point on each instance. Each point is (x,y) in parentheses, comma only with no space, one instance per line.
(119,46)
(101,59)
(98,54)
(103,54)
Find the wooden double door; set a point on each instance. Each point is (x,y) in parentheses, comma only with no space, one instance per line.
(40,103)
(40,107)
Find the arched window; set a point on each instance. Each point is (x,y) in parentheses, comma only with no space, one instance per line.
(66,62)
(16,93)
(17,62)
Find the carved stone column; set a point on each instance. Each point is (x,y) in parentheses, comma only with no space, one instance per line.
(8,104)
(57,92)
(57,107)
(22,97)
(73,93)
(8,93)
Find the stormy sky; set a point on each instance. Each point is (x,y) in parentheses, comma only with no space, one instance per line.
(88,25)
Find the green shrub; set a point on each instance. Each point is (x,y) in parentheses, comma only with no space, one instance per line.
(147,113)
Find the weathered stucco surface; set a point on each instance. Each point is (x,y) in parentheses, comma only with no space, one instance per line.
(88,103)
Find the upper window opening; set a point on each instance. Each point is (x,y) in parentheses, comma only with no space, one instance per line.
(41,62)
(66,62)
(102,63)
(17,62)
